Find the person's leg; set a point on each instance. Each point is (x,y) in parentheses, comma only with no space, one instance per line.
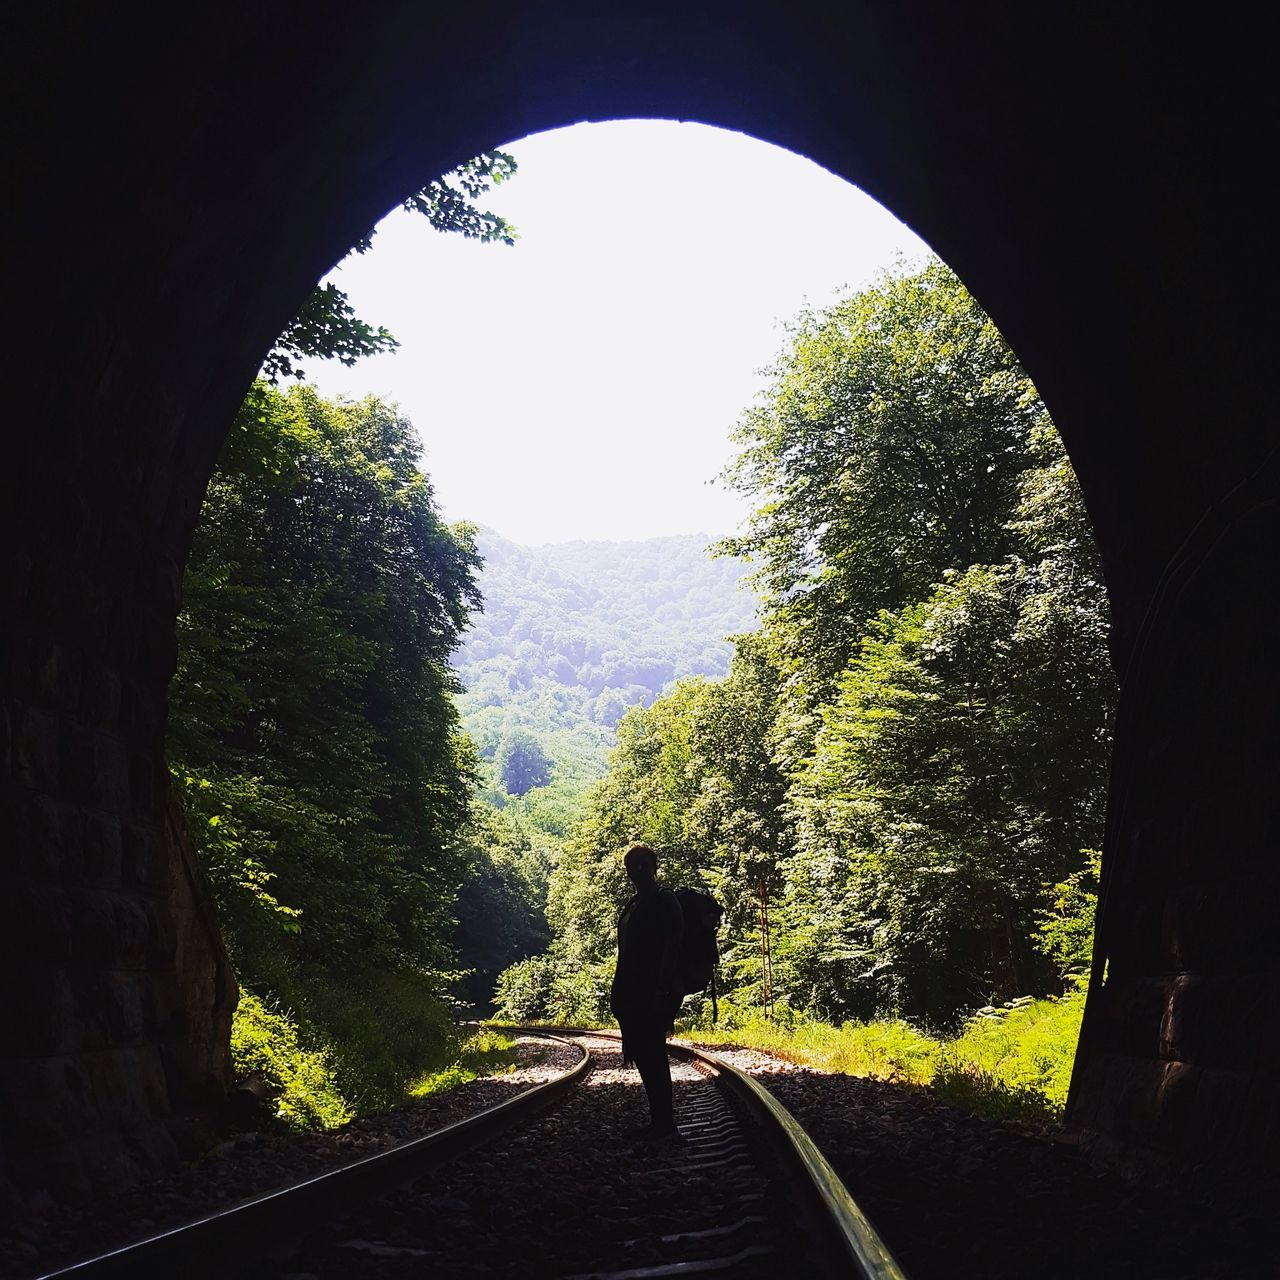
(655,1075)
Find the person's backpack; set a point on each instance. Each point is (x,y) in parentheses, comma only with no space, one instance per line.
(699,954)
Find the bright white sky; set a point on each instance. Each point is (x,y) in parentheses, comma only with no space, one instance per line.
(583,383)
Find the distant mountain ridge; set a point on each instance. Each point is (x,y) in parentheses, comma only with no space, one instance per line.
(574,633)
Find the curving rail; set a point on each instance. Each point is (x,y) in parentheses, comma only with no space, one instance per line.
(269,1225)
(850,1244)
(838,1238)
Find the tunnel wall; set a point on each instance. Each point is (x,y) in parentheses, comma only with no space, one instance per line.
(182,178)
(1180,1052)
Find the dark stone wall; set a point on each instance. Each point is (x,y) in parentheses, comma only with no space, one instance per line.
(1181,1047)
(180,177)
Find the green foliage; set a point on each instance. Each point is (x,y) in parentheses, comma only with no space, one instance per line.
(447,202)
(486,1053)
(549,988)
(1014,1061)
(1010,1063)
(523,992)
(521,764)
(916,747)
(312,727)
(328,328)
(573,635)
(888,1049)
(946,703)
(1065,933)
(502,904)
(961,764)
(313,736)
(885,451)
(384,1027)
(265,1042)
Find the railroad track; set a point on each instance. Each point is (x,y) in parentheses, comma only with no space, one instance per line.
(548,1178)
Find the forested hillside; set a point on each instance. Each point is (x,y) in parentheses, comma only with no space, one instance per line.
(572,635)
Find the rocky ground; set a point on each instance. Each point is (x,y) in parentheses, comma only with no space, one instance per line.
(957,1196)
(953,1195)
(254,1163)
(572,1193)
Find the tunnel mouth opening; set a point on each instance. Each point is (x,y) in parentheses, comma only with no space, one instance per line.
(987,971)
(163,247)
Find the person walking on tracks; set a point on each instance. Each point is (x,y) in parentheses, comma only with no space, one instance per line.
(646,988)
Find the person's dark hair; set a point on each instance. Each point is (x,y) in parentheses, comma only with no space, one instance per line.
(643,852)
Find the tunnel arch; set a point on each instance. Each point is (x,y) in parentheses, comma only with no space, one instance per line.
(179,200)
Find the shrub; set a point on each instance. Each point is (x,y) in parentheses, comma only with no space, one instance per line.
(523,991)
(1027,1046)
(385,1030)
(265,1041)
(541,990)
(486,1053)
(1010,1063)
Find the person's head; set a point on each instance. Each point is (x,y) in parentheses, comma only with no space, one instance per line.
(642,865)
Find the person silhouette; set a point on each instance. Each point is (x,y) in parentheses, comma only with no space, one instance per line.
(645,995)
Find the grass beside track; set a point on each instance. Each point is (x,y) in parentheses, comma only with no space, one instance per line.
(266,1041)
(486,1053)
(1008,1063)
(1011,1062)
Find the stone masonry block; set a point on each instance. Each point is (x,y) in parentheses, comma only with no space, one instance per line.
(1215,1020)
(147,781)
(95,928)
(1218,1111)
(1269,1032)
(58,677)
(1133,1008)
(36,749)
(111,930)
(157,651)
(125,1007)
(102,849)
(44,834)
(1222,926)
(146,858)
(129,1085)
(100,685)
(162,932)
(132,929)
(43,1099)
(1089,1083)
(1147,1101)
(36,923)
(100,764)
(40,1013)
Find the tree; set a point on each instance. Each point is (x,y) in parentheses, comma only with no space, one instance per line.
(885,451)
(905,765)
(962,764)
(312,717)
(328,328)
(693,776)
(502,904)
(313,730)
(521,763)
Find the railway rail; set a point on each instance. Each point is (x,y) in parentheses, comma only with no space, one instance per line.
(747,1193)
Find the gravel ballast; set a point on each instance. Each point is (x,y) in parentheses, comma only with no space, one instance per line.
(952,1194)
(572,1192)
(955,1195)
(254,1163)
